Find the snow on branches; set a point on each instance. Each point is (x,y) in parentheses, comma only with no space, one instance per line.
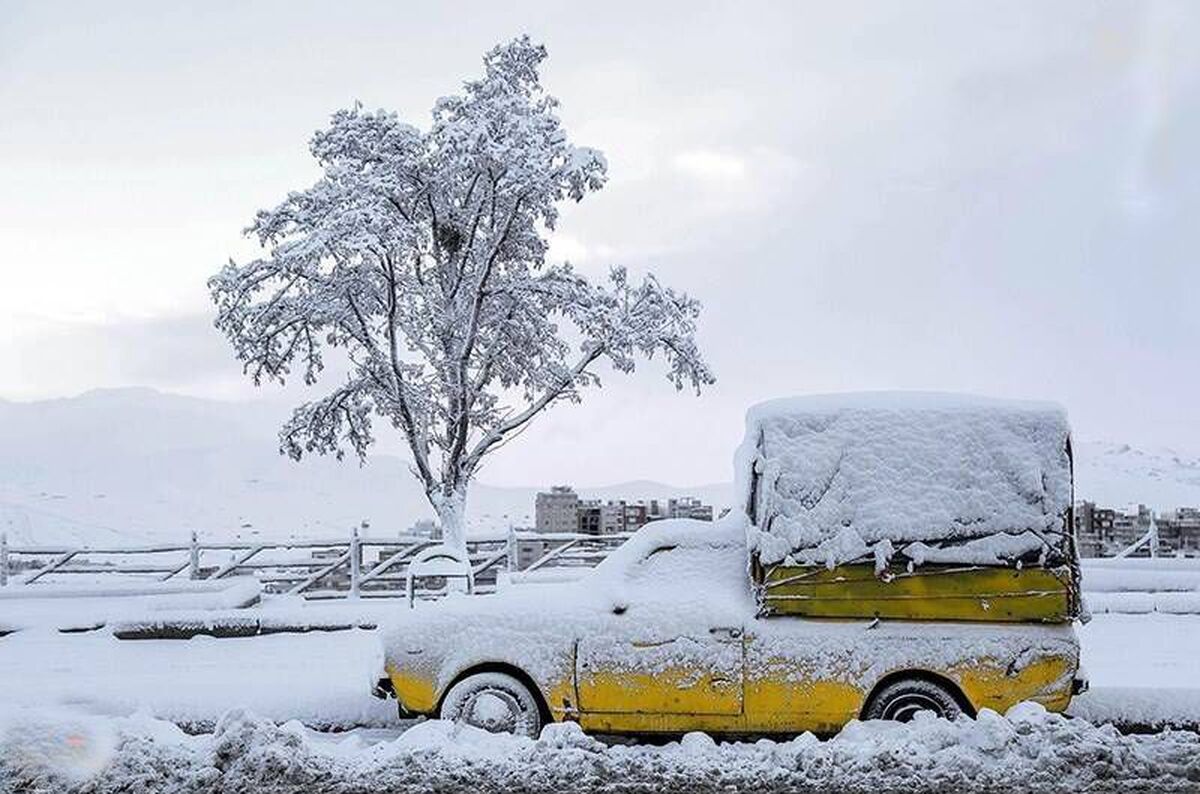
(421,256)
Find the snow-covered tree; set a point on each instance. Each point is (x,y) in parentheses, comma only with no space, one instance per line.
(421,257)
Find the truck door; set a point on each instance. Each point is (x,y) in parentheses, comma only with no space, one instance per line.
(669,645)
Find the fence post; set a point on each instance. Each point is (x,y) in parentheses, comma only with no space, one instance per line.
(3,559)
(511,554)
(194,558)
(355,563)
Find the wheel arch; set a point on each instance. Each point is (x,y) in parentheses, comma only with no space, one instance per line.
(507,669)
(949,684)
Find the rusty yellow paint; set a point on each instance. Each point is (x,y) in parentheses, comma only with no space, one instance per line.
(561,699)
(1046,680)
(673,690)
(660,723)
(779,704)
(988,594)
(415,690)
(778,695)
(775,701)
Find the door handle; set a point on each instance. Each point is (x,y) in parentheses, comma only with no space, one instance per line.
(731,632)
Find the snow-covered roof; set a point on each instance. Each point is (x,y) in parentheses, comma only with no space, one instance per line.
(829,479)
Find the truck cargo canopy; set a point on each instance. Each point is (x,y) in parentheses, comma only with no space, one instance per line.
(934,477)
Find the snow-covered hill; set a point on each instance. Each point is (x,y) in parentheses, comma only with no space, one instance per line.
(1119,474)
(130,465)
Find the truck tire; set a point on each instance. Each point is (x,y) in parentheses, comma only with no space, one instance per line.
(901,700)
(494,702)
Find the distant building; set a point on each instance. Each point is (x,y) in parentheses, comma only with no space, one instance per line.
(689,507)
(1130,526)
(1179,531)
(605,518)
(1104,532)
(557,510)
(561,510)
(1093,529)
(636,515)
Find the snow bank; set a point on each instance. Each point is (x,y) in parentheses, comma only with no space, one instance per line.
(1138,579)
(1135,603)
(73,606)
(833,476)
(1140,707)
(1027,750)
(322,679)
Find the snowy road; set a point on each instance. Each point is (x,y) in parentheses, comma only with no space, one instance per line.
(1141,668)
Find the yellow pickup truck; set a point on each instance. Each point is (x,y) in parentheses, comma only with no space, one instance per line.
(889,554)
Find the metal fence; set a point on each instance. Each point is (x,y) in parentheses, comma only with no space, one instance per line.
(314,568)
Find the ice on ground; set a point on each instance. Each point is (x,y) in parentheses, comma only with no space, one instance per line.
(832,476)
(1027,750)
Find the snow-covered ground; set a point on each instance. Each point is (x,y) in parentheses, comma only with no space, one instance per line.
(321,678)
(1142,671)
(1026,750)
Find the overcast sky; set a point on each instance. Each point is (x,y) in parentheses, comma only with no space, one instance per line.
(995,198)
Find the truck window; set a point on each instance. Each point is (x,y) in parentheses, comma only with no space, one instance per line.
(666,566)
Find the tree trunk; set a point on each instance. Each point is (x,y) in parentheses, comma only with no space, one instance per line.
(451,512)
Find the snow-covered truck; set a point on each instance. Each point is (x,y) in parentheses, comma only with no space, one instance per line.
(888,554)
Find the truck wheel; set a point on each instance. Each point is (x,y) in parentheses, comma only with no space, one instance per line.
(901,700)
(495,702)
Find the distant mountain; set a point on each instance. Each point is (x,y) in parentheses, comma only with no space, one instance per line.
(1118,474)
(133,465)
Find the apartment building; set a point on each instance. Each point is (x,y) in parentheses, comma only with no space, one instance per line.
(561,510)
(1179,531)
(1103,532)
(557,510)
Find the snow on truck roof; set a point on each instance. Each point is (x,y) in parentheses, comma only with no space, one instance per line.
(952,478)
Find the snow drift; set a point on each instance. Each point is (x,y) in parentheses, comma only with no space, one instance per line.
(1027,750)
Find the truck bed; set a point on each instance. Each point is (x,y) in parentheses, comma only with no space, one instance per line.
(931,592)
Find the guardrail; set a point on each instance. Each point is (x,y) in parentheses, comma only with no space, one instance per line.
(314,568)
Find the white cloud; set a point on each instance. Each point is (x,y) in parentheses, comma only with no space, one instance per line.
(710,165)
(566,248)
